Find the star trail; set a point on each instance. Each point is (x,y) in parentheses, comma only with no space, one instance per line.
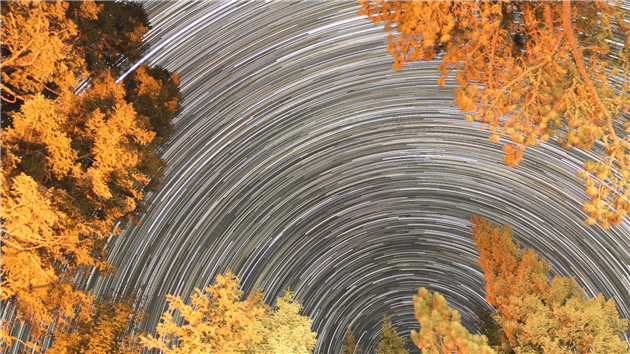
(302,160)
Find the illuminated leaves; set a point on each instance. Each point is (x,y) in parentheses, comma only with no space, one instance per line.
(37,55)
(530,71)
(107,330)
(441,330)
(390,342)
(534,314)
(72,164)
(284,331)
(36,237)
(215,322)
(41,127)
(73,171)
(218,321)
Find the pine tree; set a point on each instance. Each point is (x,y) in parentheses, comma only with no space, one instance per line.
(37,56)
(221,322)
(528,70)
(285,331)
(72,164)
(108,330)
(349,344)
(215,322)
(537,315)
(390,342)
(441,330)
(112,40)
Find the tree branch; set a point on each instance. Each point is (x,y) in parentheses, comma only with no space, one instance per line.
(579,61)
(549,16)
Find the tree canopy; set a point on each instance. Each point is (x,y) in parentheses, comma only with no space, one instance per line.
(390,342)
(533,313)
(37,48)
(218,321)
(536,314)
(108,330)
(284,331)
(531,70)
(77,150)
(441,330)
(349,343)
(112,39)
(73,163)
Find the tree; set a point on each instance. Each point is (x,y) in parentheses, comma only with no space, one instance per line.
(111,40)
(488,327)
(530,70)
(37,53)
(390,342)
(108,330)
(537,315)
(349,344)
(284,331)
(154,93)
(72,164)
(441,330)
(70,169)
(218,322)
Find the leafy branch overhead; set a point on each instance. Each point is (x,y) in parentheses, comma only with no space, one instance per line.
(530,71)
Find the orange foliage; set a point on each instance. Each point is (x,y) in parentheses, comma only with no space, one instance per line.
(529,70)
(37,53)
(107,330)
(72,165)
(534,314)
(441,330)
(71,168)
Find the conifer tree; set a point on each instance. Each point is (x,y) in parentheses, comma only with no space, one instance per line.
(72,164)
(285,331)
(112,39)
(349,344)
(441,330)
(216,321)
(220,322)
(537,314)
(108,330)
(37,56)
(390,342)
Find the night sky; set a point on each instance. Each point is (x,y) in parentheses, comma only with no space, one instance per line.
(302,160)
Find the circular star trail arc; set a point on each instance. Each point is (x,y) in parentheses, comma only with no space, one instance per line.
(302,160)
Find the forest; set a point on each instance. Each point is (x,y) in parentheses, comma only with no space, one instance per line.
(80,153)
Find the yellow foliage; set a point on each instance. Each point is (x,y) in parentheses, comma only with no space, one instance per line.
(220,322)
(284,331)
(215,322)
